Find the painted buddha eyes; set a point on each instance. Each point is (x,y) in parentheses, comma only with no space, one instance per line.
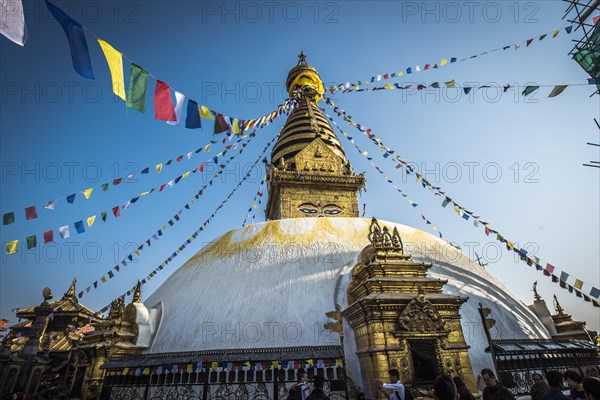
(327,210)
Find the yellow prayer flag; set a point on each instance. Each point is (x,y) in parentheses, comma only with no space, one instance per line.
(235,126)
(115,63)
(207,147)
(125,371)
(444,61)
(137,251)
(103,279)
(310,362)
(190,368)
(399,74)
(555,33)
(248,125)
(87,193)
(144,193)
(158,168)
(365,153)
(214,365)
(338,362)
(185,175)
(275,364)
(262,120)
(433,227)
(90,220)
(205,113)
(12,247)
(388,86)
(146,371)
(450,84)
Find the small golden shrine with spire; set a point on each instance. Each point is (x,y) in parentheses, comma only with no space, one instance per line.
(309,174)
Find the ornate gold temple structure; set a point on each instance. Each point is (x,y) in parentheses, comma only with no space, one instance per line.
(190,339)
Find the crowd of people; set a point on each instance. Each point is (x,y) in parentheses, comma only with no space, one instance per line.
(447,388)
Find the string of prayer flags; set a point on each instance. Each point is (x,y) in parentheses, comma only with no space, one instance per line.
(174,219)
(80,227)
(80,55)
(253,206)
(344,88)
(380,171)
(464,213)
(114,59)
(199,230)
(557,88)
(289,105)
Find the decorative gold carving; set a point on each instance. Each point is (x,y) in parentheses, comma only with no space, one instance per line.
(421,316)
(382,239)
(457,366)
(337,317)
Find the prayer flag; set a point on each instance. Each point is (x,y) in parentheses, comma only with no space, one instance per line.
(179,98)
(8,218)
(116,211)
(193,120)
(555,33)
(114,58)
(90,220)
(12,21)
(163,105)
(564,276)
(50,205)
(568,29)
(529,89)
(80,55)
(595,292)
(450,84)
(48,236)
(528,42)
(87,193)
(64,231)
(71,198)
(578,284)
(30,213)
(558,89)
(31,242)
(12,247)
(138,87)
(205,113)
(79,227)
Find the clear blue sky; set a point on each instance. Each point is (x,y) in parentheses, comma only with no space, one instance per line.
(71,133)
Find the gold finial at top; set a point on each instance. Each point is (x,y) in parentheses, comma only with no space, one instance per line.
(137,295)
(557,307)
(383,239)
(71,292)
(536,295)
(302,58)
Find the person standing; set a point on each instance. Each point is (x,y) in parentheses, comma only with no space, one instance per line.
(574,381)
(494,389)
(555,381)
(317,391)
(395,386)
(462,390)
(445,389)
(539,388)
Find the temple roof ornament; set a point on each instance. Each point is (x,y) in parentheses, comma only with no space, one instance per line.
(536,295)
(557,307)
(382,239)
(421,316)
(137,295)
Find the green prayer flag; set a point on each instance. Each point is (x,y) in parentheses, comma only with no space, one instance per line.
(564,276)
(8,218)
(105,187)
(103,216)
(558,89)
(31,242)
(435,85)
(138,85)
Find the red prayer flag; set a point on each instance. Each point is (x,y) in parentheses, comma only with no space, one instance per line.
(596,19)
(116,211)
(163,104)
(549,269)
(529,42)
(487,231)
(30,213)
(117,181)
(201,168)
(49,236)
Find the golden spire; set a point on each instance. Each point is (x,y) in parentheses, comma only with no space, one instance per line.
(137,295)
(557,307)
(536,295)
(72,292)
